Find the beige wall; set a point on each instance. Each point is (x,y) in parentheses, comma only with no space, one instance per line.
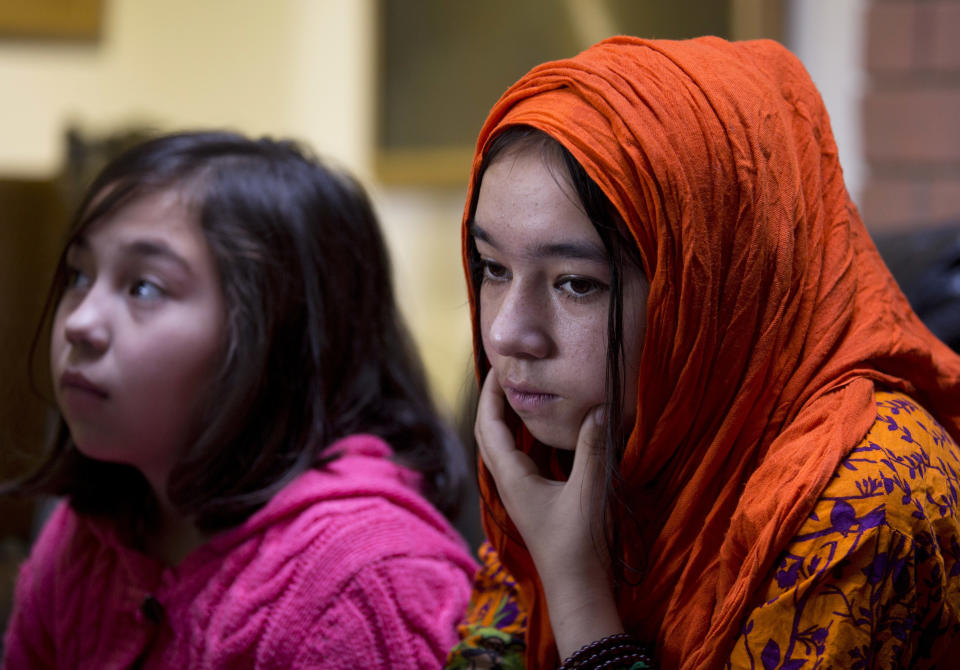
(305,68)
(828,36)
(292,67)
(298,68)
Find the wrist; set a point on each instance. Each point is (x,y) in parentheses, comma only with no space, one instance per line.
(582,608)
(571,579)
(613,651)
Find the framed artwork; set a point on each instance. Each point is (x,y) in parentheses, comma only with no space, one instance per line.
(51,19)
(443,63)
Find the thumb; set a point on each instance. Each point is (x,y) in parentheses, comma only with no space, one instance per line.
(495,441)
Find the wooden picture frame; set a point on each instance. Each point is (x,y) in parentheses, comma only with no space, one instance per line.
(443,63)
(51,19)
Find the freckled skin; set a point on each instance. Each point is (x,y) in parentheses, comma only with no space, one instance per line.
(545,295)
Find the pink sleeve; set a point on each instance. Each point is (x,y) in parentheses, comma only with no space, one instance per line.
(28,642)
(398,613)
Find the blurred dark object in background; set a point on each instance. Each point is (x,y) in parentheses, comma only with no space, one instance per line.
(926,264)
(87,154)
(33,218)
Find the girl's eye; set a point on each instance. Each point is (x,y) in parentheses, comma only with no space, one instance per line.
(146,289)
(493,271)
(77,279)
(580,287)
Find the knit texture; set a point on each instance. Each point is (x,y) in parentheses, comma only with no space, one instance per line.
(346,567)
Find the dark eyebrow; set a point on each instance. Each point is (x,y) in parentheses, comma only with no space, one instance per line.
(152,249)
(576,250)
(143,248)
(79,244)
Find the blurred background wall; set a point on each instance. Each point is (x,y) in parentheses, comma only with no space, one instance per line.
(313,70)
(394,91)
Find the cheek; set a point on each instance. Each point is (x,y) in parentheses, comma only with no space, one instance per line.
(584,360)
(585,340)
(595,360)
(168,391)
(487,313)
(57,337)
(57,342)
(177,360)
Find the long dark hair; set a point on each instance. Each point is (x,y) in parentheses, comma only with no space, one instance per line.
(622,252)
(315,347)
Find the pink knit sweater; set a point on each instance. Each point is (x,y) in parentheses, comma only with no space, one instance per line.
(348,567)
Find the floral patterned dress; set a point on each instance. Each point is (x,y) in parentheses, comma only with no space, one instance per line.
(871,580)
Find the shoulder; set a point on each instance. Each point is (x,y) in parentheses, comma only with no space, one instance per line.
(401,611)
(871,576)
(348,528)
(77,554)
(62,585)
(902,475)
(364,504)
(66,543)
(39,573)
(340,535)
(898,485)
(348,562)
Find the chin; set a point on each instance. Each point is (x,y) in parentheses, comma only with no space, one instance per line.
(554,436)
(98,451)
(95,454)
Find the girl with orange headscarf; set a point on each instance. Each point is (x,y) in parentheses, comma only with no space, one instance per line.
(669,279)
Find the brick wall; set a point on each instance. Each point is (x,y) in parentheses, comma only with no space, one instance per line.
(912,114)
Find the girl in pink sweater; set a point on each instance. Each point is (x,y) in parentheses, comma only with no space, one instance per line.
(250,463)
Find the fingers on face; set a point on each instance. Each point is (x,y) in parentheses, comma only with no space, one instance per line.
(587,458)
(493,438)
(489,409)
(490,403)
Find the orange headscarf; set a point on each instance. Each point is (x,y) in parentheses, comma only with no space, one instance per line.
(770,320)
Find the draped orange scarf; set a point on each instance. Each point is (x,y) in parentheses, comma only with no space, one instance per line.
(770,320)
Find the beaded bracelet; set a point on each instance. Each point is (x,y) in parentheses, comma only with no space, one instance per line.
(614,651)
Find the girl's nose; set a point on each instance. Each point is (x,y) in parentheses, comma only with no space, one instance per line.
(86,325)
(520,326)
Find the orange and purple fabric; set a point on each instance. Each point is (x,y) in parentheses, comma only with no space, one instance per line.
(772,324)
(871,580)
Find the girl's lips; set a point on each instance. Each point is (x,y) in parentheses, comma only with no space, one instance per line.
(80,398)
(527,400)
(76,382)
